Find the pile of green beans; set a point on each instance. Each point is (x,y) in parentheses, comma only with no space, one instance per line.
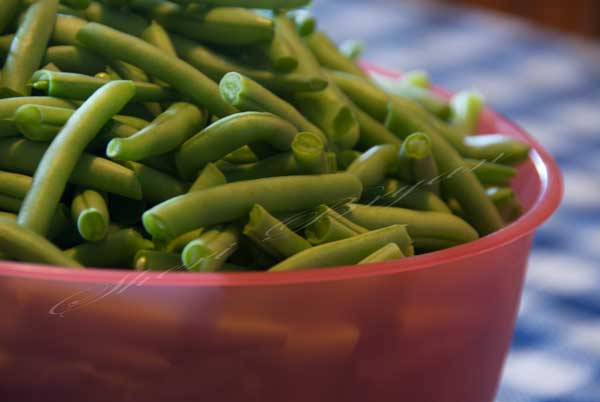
(229,135)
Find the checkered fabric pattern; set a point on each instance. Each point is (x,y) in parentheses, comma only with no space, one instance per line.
(548,83)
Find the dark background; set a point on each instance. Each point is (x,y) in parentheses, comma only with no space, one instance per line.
(575,16)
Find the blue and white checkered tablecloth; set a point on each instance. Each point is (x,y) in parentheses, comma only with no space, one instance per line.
(549,83)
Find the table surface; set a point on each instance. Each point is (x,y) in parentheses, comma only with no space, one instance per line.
(549,83)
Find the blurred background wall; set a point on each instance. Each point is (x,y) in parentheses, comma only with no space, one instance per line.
(576,16)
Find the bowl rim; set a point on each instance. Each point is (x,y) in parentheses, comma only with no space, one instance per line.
(546,203)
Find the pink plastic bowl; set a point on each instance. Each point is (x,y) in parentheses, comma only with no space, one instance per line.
(432,328)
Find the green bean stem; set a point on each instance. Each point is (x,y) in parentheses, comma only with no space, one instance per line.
(347,251)
(60,159)
(25,245)
(390,251)
(90,212)
(309,152)
(234,200)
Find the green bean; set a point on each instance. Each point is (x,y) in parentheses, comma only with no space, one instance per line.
(156,186)
(369,98)
(425,171)
(327,109)
(116,250)
(132,121)
(241,156)
(41,123)
(9,106)
(225,26)
(267,4)
(328,226)
(65,29)
(390,251)
(8,203)
(14,184)
(272,235)
(230,133)
(331,158)
(416,146)
(247,95)
(491,174)
(81,87)
(234,200)
(309,152)
(5,41)
(209,252)
(347,251)
(283,164)
(129,23)
(156,35)
(417,78)
(62,155)
(173,127)
(304,21)
(9,12)
(372,166)
(511,209)
(422,226)
(75,59)
(495,147)
(352,48)
(90,212)
(499,194)
(460,182)
(393,193)
(328,54)
(372,132)
(8,216)
(431,101)
(25,245)
(182,76)
(178,244)
(152,260)
(466,108)
(346,157)
(28,46)
(210,176)
(23,156)
(216,66)
(279,52)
